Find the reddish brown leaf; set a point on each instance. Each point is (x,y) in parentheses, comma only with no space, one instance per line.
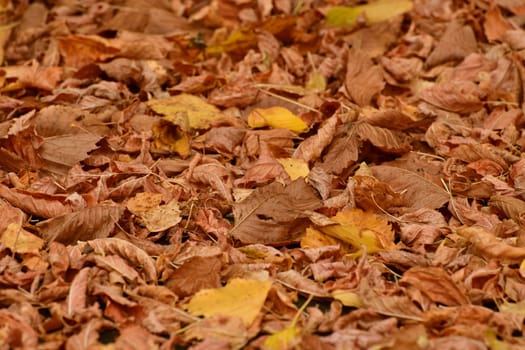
(82,225)
(274,214)
(139,259)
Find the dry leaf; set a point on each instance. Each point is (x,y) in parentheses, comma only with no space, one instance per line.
(295,168)
(82,225)
(186,109)
(276,117)
(374,12)
(274,214)
(20,241)
(128,251)
(239,298)
(417,191)
(361,229)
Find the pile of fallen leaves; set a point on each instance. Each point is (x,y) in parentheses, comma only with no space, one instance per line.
(270,174)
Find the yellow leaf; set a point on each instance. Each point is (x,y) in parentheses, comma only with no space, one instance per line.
(295,168)
(171,138)
(240,297)
(347,298)
(276,117)
(360,228)
(20,241)
(375,12)
(317,82)
(494,343)
(315,239)
(282,340)
(238,40)
(185,108)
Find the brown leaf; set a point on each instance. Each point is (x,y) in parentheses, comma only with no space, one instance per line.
(495,24)
(363,80)
(436,284)
(76,298)
(341,153)
(128,251)
(456,43)
(385,139)
(513,208)
(82,225)
(311,148)
(417,191)
(195,274)
(274,214)
(454,96)
(35,203)
(490,246)
(62,152)
(79,50)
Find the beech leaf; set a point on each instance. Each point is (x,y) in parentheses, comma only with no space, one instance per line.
(276,117)
(375,12)
(274,214)
(240,298)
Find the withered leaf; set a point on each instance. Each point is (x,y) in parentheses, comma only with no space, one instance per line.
(311,148)
(62,152)
(39,204)
(436,284)
(363,80)
(82,225)
(128,251)
(76,298)
(274,214)
(418,191)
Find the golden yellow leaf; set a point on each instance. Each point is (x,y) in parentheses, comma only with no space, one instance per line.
(360,228)
(276,117)
(315,239)
(347,298)
(185,110)
(282,340)
(240,298)
(375,12)
(20,241)
(295,168)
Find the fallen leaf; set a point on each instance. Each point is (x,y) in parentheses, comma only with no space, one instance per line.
(374,12)
(195,111)
(21,241)
(239,298)
(417,191)
(82,225)
(276,117)
(359,229)
(273,214)
(295,168)
(128,251)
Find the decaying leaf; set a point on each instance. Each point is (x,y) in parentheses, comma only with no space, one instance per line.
(274,214)
(239,298)
(82,225)
(128,251)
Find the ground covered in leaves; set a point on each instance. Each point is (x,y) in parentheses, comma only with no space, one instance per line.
(270,174)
